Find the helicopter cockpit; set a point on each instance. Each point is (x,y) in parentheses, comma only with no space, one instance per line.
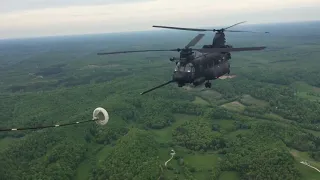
(184,73)
(185,68)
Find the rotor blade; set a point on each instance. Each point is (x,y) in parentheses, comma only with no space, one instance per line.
(235,25)
(134,51)
(198,29)
(195,40)
(156,87)
(244,31)
(213,50)
(180,28)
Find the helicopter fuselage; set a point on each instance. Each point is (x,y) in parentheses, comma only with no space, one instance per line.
(200,69)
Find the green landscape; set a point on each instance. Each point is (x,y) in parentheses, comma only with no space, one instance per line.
(258,125)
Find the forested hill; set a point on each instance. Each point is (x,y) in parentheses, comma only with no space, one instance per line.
(259,125)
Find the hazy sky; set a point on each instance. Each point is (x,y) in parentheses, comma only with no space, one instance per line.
(27,18)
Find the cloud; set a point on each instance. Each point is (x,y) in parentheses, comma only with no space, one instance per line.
(18,5)
(141,15)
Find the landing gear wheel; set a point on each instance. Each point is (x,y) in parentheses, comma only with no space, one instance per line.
(207,85)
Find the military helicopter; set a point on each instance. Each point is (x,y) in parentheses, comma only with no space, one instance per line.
(190,69)
(218,41)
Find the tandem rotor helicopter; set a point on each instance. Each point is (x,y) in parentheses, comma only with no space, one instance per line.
(210,65)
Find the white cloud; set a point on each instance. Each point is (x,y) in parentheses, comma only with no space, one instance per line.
(16,5)
(142,15)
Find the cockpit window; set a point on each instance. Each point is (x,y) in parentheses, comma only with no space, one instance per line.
(177,67)
(187,68)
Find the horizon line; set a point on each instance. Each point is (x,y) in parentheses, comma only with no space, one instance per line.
(138,31)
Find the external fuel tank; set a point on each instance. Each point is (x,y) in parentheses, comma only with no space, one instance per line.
(217,70)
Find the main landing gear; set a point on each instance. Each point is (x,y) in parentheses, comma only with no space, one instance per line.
(207,84)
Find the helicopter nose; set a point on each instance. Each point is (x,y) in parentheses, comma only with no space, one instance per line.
(177,76)
(180,77)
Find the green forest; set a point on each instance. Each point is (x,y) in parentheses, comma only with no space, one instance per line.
(259,125)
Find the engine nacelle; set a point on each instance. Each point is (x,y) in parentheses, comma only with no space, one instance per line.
(217,71)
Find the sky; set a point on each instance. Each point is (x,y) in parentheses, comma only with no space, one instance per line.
(33,18)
